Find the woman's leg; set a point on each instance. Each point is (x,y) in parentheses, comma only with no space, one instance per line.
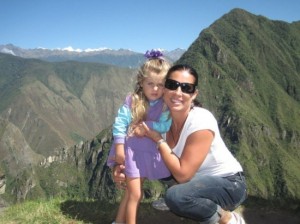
(121,215)
(134,188)
(205,198)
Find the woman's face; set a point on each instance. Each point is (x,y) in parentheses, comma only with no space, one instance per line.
(178,100)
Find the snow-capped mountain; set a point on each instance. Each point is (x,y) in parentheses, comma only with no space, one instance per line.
(120,57)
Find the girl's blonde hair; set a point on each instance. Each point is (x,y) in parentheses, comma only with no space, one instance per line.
(140,103)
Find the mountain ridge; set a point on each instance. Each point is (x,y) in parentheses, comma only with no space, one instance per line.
(120,57)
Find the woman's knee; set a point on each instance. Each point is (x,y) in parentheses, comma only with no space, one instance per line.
(174,198)
(181,201)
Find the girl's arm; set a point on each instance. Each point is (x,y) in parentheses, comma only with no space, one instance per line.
(120,128)
(163,124)
(120,154)
(121,124)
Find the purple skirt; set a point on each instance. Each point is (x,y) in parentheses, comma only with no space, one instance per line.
(142,159)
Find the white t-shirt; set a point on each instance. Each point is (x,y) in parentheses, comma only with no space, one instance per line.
(219,160)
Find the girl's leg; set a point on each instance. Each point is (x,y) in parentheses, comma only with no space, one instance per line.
(134,188)
(121,215)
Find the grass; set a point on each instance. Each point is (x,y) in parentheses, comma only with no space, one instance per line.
(65,211)
(73,211)
(37,212)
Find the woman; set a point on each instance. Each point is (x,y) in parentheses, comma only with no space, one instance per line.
(210,180)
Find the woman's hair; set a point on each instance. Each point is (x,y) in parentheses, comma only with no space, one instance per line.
(191,71)
(140,103)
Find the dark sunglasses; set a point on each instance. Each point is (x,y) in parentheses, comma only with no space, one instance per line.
(185,87)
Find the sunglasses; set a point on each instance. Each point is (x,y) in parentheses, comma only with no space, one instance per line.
(185,87)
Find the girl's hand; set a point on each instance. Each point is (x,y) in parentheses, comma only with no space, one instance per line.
(119,176)
(139,130)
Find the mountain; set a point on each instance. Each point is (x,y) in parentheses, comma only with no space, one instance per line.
(45,109)
(249,70)
(121,57)
(57,105)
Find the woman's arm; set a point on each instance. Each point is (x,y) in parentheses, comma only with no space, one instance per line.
(194,153)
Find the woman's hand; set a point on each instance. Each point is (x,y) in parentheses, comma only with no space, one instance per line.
(154,135)
(119,176)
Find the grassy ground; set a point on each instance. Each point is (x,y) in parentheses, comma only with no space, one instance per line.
(59,211)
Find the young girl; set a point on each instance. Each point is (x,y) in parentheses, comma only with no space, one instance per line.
(139,154)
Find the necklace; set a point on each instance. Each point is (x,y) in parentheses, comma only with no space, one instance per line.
(179,132)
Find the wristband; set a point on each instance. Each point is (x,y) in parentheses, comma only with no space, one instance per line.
(159,142)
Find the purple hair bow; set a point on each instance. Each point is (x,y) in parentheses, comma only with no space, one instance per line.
(153,54)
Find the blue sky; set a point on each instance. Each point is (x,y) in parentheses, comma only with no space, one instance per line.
(132,24)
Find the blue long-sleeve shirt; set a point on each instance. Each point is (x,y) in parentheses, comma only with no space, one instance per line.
(157,119)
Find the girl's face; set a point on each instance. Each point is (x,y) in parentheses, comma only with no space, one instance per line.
(178,99)
(153,86)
